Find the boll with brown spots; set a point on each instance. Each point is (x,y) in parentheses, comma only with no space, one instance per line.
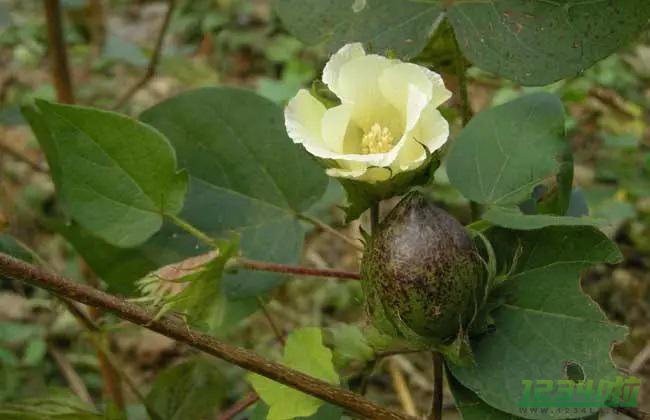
(421,270)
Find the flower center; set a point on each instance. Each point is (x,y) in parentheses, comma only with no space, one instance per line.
(377,140)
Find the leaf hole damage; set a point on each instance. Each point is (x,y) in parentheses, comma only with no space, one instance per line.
(573,371)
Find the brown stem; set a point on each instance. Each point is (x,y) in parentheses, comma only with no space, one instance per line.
(239,407)
(153,61)
(58,55)
(436,405)
(19,270)
(291,269)
(279,334)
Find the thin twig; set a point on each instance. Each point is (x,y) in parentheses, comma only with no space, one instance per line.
(71,376)
(58,55)
(327,228)
(292,269)
(21,271)
(436,404)
(153,61)
(239,407)
(279,334)
(36,166)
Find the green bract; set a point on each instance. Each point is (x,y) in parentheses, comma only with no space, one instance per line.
(421,272)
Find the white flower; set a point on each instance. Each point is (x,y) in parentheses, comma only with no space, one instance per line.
(386,118)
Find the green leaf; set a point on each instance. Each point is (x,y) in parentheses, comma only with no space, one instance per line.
(306,353)
(399,26)
(116,176)
(349,345)
(540,42)
(191,390)
(513,218)
(246,176)
(60,405)
(548,321)
(472,407)
(504,152)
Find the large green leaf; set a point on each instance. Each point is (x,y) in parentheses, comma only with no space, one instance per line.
(306,353)
(246,176)
(59,405)
(191,390)
(513,218)
(539,42)
(504,152)
(116,176)
(549,322)
(472,407)
(400,26)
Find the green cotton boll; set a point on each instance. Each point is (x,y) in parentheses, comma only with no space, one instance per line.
(421,273)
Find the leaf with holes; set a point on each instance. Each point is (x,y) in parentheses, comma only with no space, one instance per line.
(116,176)
(540,42)
(402,27)
(549,323)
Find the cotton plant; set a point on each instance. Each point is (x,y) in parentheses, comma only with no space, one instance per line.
(494,297)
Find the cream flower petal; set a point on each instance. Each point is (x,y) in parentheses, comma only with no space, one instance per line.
(303,118)
(431,132)
(396,81)
(358,80)
(333,67)
(440,93)
(417,102)
(335,125)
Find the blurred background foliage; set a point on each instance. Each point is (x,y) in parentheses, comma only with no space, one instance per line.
(241,43)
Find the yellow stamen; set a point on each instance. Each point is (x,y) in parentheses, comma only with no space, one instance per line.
(377,140)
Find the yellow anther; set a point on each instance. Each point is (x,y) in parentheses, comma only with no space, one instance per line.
(377,140)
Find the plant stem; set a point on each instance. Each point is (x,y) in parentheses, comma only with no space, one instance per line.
(291,269)
(436,405)
(374,217)
(239,407)
(279,334)
(461,73)
(153,61)
(57,51)
(196,232)
(330,229)
(21,271)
